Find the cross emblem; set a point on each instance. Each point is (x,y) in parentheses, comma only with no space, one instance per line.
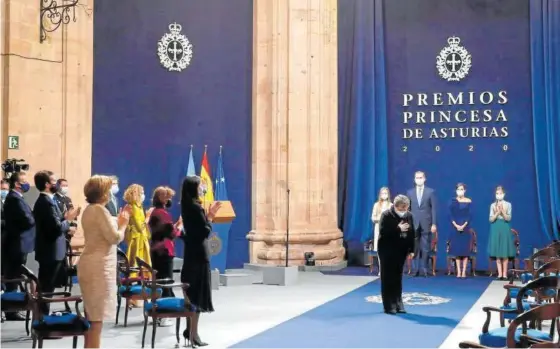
(454,63)
(175,51)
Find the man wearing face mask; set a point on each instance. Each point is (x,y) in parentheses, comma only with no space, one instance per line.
(61,197)
(5,189)
(113,204)
(19,232)
(52,227)
(397,240)
(423,208)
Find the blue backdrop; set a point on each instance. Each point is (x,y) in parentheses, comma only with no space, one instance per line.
(402,60)
(145,118)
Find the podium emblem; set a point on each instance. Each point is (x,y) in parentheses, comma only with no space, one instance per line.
(454,61)
(414,298)
(214,244)
(174,49)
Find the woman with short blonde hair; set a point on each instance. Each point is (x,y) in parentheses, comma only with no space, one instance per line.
(97,266)
(137,235)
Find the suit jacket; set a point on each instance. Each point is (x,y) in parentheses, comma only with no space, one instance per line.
(197,231)
(424,213)
(63,202)
(50,244)
(113,206)
(20,225)
(390,233)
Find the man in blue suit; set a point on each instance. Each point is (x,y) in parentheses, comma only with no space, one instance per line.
(423,208)
(19,235)
(52,227)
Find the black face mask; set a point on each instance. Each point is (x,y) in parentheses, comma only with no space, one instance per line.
(168,204)
(54,188)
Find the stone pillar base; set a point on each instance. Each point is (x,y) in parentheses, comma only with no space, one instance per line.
(269,247)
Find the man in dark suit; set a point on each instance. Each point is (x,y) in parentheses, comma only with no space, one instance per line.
(396,241)
(423,208)
(113,204)
(61,197)
(19,234)
(52,227)
(5,189)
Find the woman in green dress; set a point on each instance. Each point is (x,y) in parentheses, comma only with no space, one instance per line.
(501,245)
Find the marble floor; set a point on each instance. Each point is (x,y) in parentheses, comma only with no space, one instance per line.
(244,311)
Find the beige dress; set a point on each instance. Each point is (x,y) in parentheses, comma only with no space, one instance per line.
(378,209)
(97,267)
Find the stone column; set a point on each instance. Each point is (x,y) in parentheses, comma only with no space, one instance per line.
(295,132)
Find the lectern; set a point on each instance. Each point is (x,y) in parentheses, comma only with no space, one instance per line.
(225,214)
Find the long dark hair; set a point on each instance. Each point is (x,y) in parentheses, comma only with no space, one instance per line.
(189,191)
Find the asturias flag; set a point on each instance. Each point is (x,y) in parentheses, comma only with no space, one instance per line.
(219,239)
(206,180)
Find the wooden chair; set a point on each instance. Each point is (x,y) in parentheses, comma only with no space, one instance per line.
(19,300)
(515,262)
(72,268)
(129,287)
(526,336)
(160,308)
(471,259)
(56,325)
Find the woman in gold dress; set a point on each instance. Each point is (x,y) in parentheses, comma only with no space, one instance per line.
(137,235)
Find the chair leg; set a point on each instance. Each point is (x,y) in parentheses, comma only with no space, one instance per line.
(27,319)
(34,344)
(40,342)
(75,342)
(154,329)
(177,329)
(145,330)
(119,298)
(127,306)
(473,265)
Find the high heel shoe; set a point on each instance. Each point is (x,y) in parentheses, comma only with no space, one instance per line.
(199,343)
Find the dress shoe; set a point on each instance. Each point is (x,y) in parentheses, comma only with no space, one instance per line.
(401,311)
(14,317)
(391,312)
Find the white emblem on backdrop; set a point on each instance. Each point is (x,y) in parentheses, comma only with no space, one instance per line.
(413,298)
(174,49)
(454,61)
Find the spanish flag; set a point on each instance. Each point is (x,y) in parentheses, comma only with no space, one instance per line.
(206,180)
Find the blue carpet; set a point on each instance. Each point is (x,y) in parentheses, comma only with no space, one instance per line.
(351,322)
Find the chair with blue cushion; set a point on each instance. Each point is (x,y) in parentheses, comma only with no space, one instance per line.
(57,324)
(18,300)
(521,332)
(72,268)
(160,308)
(129,288)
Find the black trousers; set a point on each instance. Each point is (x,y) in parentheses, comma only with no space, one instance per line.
(48,276)
(164,266)
(392,264)
(12,268)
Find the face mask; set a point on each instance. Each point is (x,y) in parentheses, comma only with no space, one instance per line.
(168,204)
(460,193)
(53,189)
(419,182)
(499,196)
(384,196)
(115,189)
(25,187)
(401,213)
(142,198)
(64,190)
(4,193)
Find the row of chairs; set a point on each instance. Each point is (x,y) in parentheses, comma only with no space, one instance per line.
(432,257)
(30,299)
(531,298)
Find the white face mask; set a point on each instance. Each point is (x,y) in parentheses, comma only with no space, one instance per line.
(142,198)
(499,197)
(64,190)
(460,193)
(400,213)
(384,196)
(419,182)
(115,189)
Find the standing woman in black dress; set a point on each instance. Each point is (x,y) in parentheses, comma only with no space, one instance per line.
(196,262)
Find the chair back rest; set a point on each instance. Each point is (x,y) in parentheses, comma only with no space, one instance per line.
(550,311)
(32,287)
(539,286)
(146,283)
(123,266)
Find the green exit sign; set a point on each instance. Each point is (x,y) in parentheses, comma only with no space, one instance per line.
(13,142)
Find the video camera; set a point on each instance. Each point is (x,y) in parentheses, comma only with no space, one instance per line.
(14,165)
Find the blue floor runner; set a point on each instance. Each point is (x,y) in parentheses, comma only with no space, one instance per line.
(350,321)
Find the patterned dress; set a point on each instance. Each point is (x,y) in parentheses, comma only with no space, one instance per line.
(97,267)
